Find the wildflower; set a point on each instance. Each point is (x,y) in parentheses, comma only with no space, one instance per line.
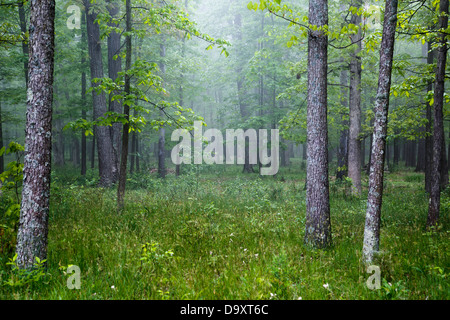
(325,285)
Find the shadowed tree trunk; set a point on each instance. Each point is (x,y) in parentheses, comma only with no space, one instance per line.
(106,164)
(83,93)
(126,126)
(354,141)
(381,111)
(318,224)
(438,133)
(429,138)
(114,67)
(34,212)
(23,29)
(396,152)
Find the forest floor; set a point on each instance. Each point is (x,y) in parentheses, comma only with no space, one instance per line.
(226,235)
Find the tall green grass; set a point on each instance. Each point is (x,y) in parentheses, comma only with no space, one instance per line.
(225,235)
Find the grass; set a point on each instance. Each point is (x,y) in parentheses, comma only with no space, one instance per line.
(225,235)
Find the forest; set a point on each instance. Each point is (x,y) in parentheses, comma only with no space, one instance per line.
(224,150)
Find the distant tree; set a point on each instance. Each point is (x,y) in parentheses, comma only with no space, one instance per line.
(354,139)
(34,213)
(107,166)
(381,110)
(114,67)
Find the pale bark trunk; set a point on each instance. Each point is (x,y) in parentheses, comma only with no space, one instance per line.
(34,213)
(381,110)
(318,224)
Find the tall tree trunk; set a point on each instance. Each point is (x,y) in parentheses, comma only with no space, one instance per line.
(107,166)
(429,138)
(34,212)
(375,196)
(318,224)
(114,67)
(162,131)
(126,126)
(438,134)
(354,142)
(23,30)
(83,94)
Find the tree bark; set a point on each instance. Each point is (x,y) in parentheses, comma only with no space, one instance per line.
(126,126)
(34,212)
(83,94)
(381,110)
(354,142)
(107,166)
(438,132)
(318,224)
(114,67)
(429,138)
(25,49)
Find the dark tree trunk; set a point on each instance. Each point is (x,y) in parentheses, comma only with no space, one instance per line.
(429,138)
(318,224)
(381,111)
(83,93)
(396,152)
(126,126)
(107,166)
(420,166)
(114,67)
(354,142)
(34,212)
(75,152)
(342,169)
(438,134)
(23,29)
(93,151)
